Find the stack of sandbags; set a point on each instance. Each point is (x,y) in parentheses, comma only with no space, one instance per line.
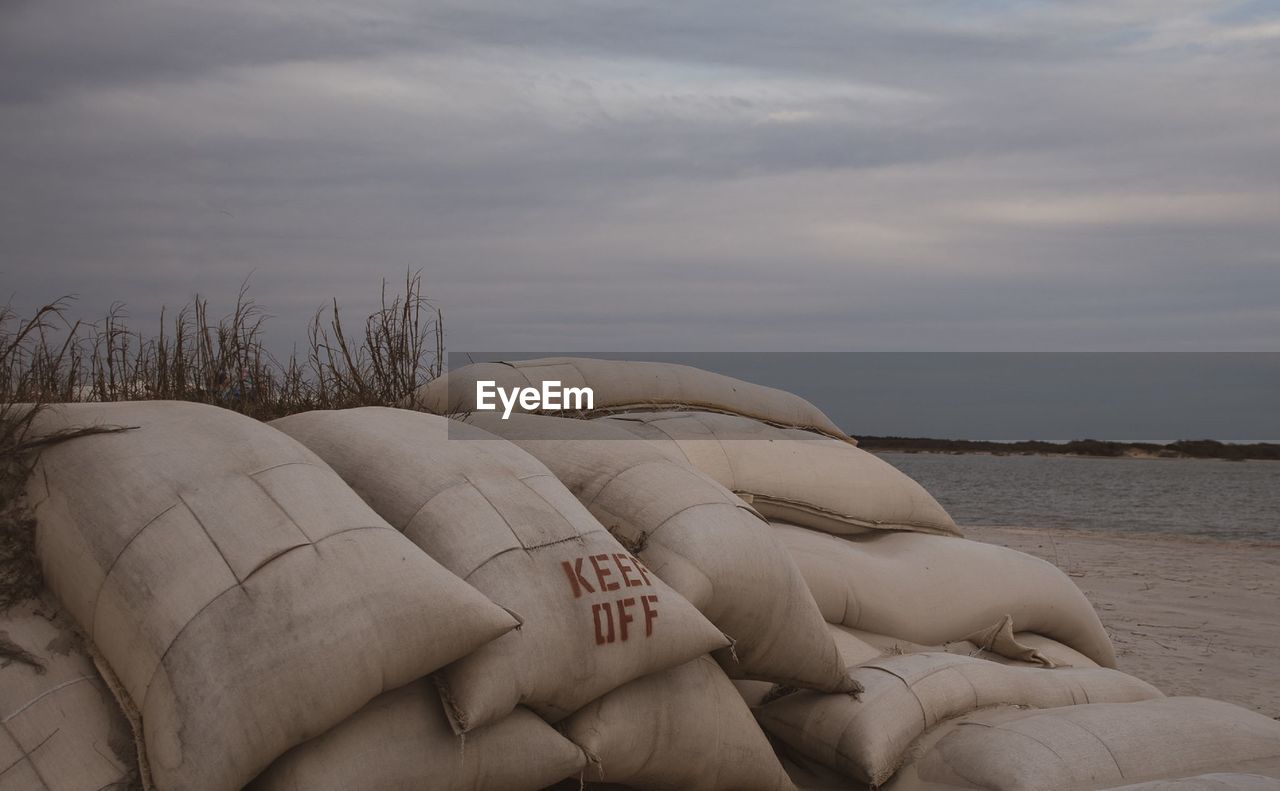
(244,598)
(868,738)
(60,729)
(593,617)
(795,476)
(402,738)
(1092,746)
(620,386)
(936,589)
(695,535)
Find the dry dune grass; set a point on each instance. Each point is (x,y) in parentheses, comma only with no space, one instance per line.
(49,358)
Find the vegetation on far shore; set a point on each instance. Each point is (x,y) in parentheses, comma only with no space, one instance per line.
(1181,449)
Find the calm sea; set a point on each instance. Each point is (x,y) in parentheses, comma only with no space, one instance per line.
(1238,501)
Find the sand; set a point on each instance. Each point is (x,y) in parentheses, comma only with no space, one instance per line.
(1191,617)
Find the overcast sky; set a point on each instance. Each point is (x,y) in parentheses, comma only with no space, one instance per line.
(1094,174)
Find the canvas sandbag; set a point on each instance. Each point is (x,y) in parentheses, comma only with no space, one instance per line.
(1213,781)
(684,729)
(60,728)
(628,386)
(867,737)
(697,537)
(243,596)
(1020,649)
(794,476)
(939,589)
(1099,745)
(402,741)
(593,616)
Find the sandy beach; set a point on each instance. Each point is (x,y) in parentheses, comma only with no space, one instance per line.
(1191,617)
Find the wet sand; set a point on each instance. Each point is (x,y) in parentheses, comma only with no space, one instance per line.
(1191,617)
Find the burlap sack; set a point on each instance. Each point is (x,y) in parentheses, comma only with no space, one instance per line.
(244,596)
(402,741)
(939,589)
(593,617)
(794,476)
(866,738)
(60,729)
(628,386)
(684,729)
(1092,746)
(997,643)
(697,537)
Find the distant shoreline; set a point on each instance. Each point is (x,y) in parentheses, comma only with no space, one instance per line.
(1092,448)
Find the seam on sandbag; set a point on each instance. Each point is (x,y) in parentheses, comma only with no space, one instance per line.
(577,536)
(431,499)
(315,543)
(209,536)
(1105,746)
(44,694)
(271,467)
(26,755)
(283,510)
(97,595)
(649,533)
(615,477)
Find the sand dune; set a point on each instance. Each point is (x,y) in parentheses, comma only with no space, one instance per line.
(1191,617)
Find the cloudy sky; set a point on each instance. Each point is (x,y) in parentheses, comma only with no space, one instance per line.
(951,175)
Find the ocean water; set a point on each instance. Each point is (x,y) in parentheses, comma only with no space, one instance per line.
(1223,500)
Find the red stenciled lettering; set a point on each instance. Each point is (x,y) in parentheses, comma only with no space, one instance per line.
(602,572)
(625,569)
(574,573)
(602,636)
(650,613)
(644,572)
(624,618)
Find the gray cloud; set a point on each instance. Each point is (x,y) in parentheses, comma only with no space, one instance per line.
(921,175)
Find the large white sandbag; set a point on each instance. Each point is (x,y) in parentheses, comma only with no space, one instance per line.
(696,536)
(593,617)
(1214,781)
(60,729)
(245,598)
(866,738)
(684,729)
(626,386)
(794,476)
(939,589)
(402,741)
(1099,745)
(859,648)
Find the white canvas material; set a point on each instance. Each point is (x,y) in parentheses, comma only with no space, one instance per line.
(60,729)
(628,386)
(795,476)
(697,537)
(938,589)
(245,598)
(402,741)
(684,729)
(866,738)
(1093,746)
(593,617)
